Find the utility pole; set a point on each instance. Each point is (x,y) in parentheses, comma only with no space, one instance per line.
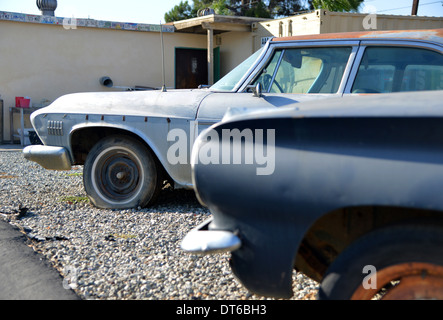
(414,7)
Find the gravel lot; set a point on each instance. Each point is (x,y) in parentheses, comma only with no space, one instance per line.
(117,254)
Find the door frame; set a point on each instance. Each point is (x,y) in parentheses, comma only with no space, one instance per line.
(216,62)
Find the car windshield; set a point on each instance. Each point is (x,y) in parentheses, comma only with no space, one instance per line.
(228,82)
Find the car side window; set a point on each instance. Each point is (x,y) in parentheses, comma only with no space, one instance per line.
(395,69)
(305,70)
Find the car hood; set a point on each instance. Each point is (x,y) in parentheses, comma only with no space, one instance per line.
(172,103)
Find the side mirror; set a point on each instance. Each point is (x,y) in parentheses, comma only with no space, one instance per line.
(256,90)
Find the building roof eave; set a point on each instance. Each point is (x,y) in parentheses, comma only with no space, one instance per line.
(218,23)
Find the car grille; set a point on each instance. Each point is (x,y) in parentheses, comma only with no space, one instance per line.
(55,128)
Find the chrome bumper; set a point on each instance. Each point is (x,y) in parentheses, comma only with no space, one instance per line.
(52,158)
(201,240)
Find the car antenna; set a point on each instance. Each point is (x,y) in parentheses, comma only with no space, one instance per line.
(163,58)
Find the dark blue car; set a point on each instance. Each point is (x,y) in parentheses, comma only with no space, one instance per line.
(349,192)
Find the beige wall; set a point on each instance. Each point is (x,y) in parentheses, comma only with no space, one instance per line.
(341,22)
(234,48)
(296,25)
(323,21)
(47,61)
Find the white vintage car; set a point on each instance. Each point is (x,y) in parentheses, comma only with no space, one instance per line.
(131,142)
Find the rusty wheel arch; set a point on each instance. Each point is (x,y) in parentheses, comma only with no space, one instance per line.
(329,235)
(402,261)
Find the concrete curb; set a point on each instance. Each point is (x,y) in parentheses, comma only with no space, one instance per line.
(11,147)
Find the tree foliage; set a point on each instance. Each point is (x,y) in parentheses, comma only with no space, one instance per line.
(337,5)
(257,8)
(181,11)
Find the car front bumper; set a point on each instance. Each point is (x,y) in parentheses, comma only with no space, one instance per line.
(49,157)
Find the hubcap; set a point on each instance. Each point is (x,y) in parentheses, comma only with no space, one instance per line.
(118,175)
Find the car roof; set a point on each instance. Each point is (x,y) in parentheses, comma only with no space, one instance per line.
(434,35)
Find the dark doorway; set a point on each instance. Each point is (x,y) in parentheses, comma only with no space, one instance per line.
(191,68)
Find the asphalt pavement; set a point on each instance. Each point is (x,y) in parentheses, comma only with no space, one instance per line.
(25,274)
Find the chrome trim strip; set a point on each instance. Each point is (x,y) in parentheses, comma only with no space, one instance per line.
(201,240)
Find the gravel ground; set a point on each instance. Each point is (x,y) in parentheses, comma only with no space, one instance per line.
(117,254)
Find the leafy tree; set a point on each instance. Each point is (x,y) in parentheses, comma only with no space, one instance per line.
(268,8)
(257,8)
(249,8)
(221,7)
(287,7)
(258,11)
(181,11)
(337,5)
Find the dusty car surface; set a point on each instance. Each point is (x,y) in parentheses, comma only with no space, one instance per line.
(131,142)
(353,200)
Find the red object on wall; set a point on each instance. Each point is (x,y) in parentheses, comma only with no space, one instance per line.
(24,103)
(21,102)
(17,101)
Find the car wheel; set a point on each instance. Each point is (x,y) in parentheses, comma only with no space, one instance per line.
(397,263)
(119,173)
